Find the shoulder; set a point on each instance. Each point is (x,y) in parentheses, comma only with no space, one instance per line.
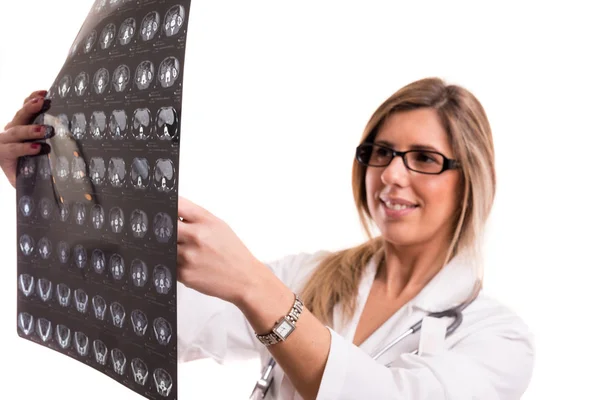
(295,269)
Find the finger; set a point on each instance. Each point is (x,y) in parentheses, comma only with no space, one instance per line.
(37,93)
(24,133)
(191,212)
(185,231)
(29,110)
(16,150)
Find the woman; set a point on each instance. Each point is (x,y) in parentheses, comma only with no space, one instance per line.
(424,176)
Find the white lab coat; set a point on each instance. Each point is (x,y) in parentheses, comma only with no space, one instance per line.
(489,357)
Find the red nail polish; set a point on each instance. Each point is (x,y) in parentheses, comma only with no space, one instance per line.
(35,146)
(37,129)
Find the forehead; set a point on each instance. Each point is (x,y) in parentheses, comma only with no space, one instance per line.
(414,129)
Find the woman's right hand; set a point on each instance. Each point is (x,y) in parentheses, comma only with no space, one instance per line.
(18,136)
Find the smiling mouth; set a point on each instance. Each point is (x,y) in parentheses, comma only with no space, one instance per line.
(395,206)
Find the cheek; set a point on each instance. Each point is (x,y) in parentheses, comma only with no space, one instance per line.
(440,195)
(372,186)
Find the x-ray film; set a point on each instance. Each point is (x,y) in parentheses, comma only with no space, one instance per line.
(97,214)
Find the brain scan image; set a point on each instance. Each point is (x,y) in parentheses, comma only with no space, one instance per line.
(26,206)
(139,369)
(117,219)
(167,123)
(144,75)
(168,72)
(162,382)
(99,305)
(162,331)
(119,361)
(97,216)
(78,125)
(26,323)
(44,329)
(162,278)
(97,170)
(26,244)
(89,42)
(98,125)
(62,169)
(64,86)
(46,208)
(27,167)
(107,36)
(44,289)
(139,223)
(139,273)
(121,78)
(82,344)
(162,227)
(26,284)
(78,169)
(80,255)
(117,267)
(63,295)
(98,261)
(100,352)
(174,20)
(44,248)
(79,213)
(139,322)
(117,124)
(140,173)
(117,313)
(116,171)
(141,123)
(43,168)
(101,78)
(82,80)
(62,126)
(126,31)
(63,252)
(149,26)
(63,212)
(81,301)
(63,336)
(164,175)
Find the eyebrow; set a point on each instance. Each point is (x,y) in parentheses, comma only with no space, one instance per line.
(416,146)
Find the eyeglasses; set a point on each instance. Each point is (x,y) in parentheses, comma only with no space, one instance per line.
(422,161)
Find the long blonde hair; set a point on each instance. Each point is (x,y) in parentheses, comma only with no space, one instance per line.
(337,277)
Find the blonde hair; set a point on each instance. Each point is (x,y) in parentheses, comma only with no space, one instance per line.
(464,119)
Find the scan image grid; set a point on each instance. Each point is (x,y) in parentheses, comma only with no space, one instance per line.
(97,213)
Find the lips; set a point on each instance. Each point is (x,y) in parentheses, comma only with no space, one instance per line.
(397,203)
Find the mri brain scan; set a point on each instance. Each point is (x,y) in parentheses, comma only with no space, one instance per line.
(116,171)
(97,170)
(162,331)
(174,20)
(63,212)
(79,213)
(78,169)
(139,273)
(82,344)
(98,125)
(117,313)
(107,36)
(89,42)
(63,295)
(117,219)
(149,26)
(127,31)
(99,305)
(118,124)
(26,284)
(46,208)
(80,85)
(162,382)
(26,206)
(26,323)
(44,329)
(139,322)
(63,336)
(63,252)
(141,123)
(167,123)
(80,255)
(78,125)
(44,289)
(98,261)
(139,369)
(43,167)
(26,244)
(119,361)
(168,72)
(62,126)
(97,216)
(162,227)
(62,169)
(100,352)
(140,173)
(101,78)
(164,175)
(162,278)
(117,267)
(27,167)
(81,301)
(139,223)
(44,248)
(144,75)
(64,86)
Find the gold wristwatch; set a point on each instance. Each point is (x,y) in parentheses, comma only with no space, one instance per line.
(284,326)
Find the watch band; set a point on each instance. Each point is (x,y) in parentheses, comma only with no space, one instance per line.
(284,326)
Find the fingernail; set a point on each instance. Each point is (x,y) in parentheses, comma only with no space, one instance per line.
(49,131)
(46,106)
(35,146)
(38,129)
(36,100)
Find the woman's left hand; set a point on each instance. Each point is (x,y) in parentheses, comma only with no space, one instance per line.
(211,258)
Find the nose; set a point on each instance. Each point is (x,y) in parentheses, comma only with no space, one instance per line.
(396,173)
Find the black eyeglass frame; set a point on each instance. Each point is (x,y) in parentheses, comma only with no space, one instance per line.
(447,165)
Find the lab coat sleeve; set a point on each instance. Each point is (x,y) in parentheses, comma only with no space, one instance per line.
(208,327)
(492,364)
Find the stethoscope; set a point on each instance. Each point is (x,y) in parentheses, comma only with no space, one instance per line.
(266,379)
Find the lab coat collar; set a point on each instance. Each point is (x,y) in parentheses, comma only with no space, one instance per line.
(451,286)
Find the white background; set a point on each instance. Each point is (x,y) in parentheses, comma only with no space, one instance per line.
(276,97)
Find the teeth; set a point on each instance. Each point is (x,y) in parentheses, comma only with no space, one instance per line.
(393,206)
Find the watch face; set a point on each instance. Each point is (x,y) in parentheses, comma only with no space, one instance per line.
(284,329)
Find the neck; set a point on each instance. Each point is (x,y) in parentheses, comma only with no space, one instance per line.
(406,270)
